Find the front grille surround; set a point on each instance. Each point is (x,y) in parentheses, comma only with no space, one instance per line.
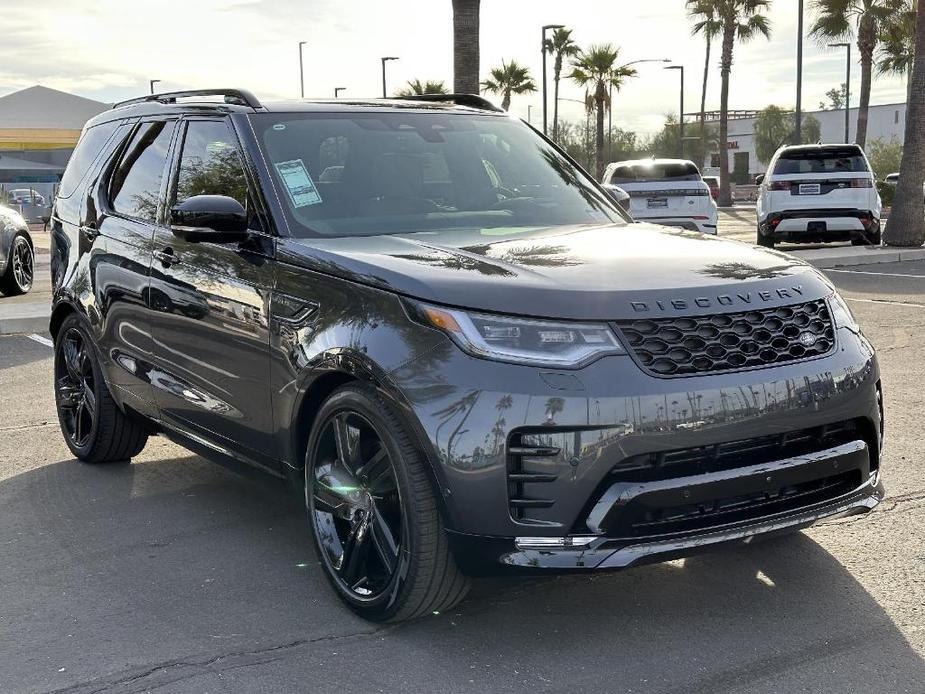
(759,338)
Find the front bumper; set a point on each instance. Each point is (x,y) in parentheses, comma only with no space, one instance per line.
(487,422)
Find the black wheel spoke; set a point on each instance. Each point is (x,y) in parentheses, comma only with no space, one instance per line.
(347,440)
(71,349)
(335,490)
(89,401)
(375,470)
(384,541)
(356,550)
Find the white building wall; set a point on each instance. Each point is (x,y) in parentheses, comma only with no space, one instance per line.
(883,121)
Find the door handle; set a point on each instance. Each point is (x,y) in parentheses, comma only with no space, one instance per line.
(90,231)
(167,256)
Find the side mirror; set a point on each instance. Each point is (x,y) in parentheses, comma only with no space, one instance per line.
(215,218)
(759,179)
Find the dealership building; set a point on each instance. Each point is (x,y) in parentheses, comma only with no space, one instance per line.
(884,121)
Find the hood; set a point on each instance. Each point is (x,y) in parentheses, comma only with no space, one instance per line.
(588,272)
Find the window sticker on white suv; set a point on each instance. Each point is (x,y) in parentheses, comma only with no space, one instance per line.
(298,183)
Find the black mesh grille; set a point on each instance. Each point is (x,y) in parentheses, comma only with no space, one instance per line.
(683,346)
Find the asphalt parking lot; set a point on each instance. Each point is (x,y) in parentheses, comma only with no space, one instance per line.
(172,574)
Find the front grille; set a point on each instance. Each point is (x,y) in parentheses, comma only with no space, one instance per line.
(686,462)
(701,516)
(728,341)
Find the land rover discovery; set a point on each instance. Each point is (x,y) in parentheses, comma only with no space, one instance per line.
(448,338)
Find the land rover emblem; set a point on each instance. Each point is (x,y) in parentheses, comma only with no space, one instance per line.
(807,339)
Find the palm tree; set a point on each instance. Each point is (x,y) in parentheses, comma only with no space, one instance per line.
(841,19)
(897,46)
(705,15)
(416,87)
(510,78)
(466,46)
(740,20)
(907,220)
(596,70)
(561,46)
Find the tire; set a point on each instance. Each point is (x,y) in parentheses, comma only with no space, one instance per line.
(766,241)
(20,267)
(872,239)
(352,507)
(81,394)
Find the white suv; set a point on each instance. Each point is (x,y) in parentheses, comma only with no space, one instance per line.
(665,191)
(816,193)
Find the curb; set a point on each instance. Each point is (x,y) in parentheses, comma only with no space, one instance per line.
(828,258)
(25,318)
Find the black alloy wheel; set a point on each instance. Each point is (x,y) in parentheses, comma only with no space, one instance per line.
(21,268)
(356,506)
(75,388)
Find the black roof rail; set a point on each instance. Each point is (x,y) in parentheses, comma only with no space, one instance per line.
(470,100)
(240,97)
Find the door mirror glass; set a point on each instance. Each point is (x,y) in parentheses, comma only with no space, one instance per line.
(759,179)
(216,218)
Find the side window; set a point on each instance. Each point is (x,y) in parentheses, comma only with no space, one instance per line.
(210,164)
(91,143)
(136,183)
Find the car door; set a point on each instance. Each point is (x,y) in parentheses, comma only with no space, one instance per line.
(209,304)
(121,213)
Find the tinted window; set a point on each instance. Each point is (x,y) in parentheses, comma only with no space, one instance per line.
(89,146)
(645,171)
(136,182)
(209,164)
(845,159)
(406,171)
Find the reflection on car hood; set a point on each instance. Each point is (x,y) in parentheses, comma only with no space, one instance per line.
(587,272)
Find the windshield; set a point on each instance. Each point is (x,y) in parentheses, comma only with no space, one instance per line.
(361,174)
(821,161)
(646,172)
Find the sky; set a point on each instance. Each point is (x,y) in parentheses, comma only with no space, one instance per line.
(109,49)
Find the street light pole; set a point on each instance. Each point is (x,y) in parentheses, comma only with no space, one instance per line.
(151,84)
(543,53)
(337,90)
(384,60)
(681,112)
(529,113)
(798,120)
(301,71)
(846,45)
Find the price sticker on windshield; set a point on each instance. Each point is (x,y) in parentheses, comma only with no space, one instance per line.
(298,183)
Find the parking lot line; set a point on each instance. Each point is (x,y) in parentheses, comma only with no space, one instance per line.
(882,274)
(883,301)
(41,340)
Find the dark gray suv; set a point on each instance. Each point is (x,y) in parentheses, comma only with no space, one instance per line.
(447,337)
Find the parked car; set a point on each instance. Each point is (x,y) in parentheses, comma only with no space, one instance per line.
(17,254)
(818,193)
(665,191)
(713,184)
(457,350)
(25,196)
(893,178)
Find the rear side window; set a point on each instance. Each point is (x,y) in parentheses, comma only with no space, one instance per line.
(834,160)
(644,172)
(88,148)
(209,164)
(136,183)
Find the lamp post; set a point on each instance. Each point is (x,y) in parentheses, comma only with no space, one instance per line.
(151,84)
(681,112)
(384,60)
(846,45)
(301,71)
(529,113)
(610,99)
(543,53)
(337,90)
(798,118)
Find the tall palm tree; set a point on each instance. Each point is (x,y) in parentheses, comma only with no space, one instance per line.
(561,46)
(466,46)
(907,220)
(510,78)
(740,20)
(416,87)
(841,19)
(897,46)
(705,14)
(596,70)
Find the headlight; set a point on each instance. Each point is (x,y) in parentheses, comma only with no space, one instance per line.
(521,340)
(841,314)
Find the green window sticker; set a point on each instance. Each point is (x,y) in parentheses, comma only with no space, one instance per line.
(298,183)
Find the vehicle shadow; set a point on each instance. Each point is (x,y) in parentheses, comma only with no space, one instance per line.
(178,574)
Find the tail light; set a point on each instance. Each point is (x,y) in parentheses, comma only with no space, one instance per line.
(862,183)
(779,185)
